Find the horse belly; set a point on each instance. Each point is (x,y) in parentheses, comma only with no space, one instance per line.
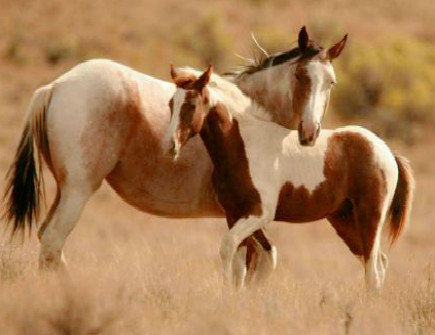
(300,205)
(151,181)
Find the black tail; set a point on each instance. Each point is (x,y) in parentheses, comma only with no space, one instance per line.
(23,189)
(23,185)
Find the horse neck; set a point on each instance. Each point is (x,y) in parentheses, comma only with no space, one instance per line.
(221,136)
(270,89)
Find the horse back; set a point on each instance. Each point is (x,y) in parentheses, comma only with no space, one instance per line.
(357,167)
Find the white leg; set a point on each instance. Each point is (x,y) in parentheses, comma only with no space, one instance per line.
(266,264)
(239,266)
(377,263)
(376,269)
(382,266)
(372,279)
(67,213)
(232,239)
(262,260)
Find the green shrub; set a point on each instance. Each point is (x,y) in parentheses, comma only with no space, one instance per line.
(390,84)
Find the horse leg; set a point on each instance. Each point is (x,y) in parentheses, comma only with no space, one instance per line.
(59,223)
(255,257)
(382,265)
(263,260)
(240,265)
(370,219)
(253,261)
(234,237)
(344,223)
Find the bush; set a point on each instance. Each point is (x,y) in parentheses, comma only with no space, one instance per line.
(389,84)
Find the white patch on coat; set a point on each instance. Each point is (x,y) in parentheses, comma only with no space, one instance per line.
(282,157)
(322,76)
(178,101)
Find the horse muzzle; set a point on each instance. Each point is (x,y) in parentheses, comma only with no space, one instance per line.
(308,135)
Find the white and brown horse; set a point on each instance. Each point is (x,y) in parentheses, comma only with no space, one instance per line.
(262,173)
(105,121)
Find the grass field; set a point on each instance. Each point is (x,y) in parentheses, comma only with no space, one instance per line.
(133,273)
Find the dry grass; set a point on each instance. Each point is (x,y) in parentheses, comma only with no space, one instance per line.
(133,273)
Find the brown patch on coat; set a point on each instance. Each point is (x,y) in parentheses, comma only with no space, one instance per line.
(231,176)
(351,196)
(171,106)
(191,116)
(148,178)
(398,214)
(343,221)
(274,103)
(302,89)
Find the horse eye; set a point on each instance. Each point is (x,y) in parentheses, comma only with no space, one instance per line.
(297,76)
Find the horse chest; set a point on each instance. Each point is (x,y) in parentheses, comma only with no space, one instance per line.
(231,176)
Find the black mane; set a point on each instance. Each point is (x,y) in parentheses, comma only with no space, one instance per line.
(263,62)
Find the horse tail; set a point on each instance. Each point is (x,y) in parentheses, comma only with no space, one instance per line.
(23,189)
(400,208)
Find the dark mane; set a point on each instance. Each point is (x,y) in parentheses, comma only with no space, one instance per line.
(262,62)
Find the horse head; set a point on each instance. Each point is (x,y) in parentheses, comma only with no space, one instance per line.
(187,107)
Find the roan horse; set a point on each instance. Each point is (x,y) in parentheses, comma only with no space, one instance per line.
(261,173)
(102,120)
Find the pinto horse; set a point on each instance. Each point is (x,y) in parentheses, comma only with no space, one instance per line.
(262,173)
(105,121)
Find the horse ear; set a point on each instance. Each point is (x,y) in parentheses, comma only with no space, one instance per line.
(204,79)
(337,48)
(303,39)
(173,73)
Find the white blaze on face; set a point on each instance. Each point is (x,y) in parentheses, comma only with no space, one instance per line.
(178,100)
(322,77)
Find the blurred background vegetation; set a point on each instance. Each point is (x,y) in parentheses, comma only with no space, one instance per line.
(386,75)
